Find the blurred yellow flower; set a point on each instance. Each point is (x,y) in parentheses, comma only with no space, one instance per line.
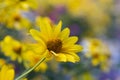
(22,52)
(17,21)
(54,42)
(13,48)
(98,52)
(7,73)
(11,13)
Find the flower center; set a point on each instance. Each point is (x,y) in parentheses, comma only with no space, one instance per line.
(95,56)
(54,45)
(17,18)
(17,50)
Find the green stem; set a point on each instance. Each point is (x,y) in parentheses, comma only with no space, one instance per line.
(29,70)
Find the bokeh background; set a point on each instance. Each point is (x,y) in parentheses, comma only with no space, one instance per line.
(95,22)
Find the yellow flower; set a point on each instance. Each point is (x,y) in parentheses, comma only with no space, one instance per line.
(56,43)
(98,52)
(22,52)
(17,21)
(13,48)
(6,73)
(11,13)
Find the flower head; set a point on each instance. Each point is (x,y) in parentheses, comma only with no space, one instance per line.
(17,21)
(12,13)
(98,52)
(54,42)
(13,48)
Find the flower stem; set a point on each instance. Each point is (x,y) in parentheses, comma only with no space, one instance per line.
(29,70)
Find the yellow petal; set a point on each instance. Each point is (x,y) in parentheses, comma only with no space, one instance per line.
(72,48)
(70,40)
(39,49)
(38,35)
(10,74)
(35,35)
(43,37)
(57,29)
(61,57)
(70,58)
(64,34)
(76,57)
(3,72)
(45,27)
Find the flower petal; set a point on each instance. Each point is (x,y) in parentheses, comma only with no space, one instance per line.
(57,29)
(36,35)
(45,27)
(76,57)
(72,48)
(61,57)
(10,74)
(70,41)
(70,58)
(64,34)
(3,72)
